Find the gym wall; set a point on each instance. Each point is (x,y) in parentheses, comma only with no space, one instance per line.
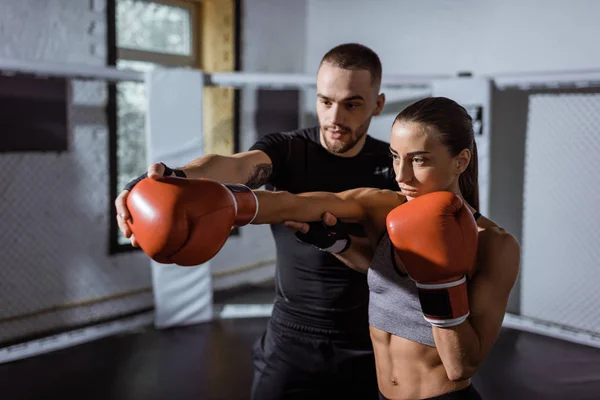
(56,272)
(445,37)
(549,136)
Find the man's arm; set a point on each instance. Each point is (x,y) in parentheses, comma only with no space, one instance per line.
(464,347)
(252,168)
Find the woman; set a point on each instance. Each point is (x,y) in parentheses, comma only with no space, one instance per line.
(433,148)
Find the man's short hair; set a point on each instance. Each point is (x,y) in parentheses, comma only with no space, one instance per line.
(355,56)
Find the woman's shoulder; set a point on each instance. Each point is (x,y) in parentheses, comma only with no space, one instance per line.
(497,242)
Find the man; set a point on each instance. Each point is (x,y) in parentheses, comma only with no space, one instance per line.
(317,342)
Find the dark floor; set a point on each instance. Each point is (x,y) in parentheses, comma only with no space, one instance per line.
(206,361)
(212,361)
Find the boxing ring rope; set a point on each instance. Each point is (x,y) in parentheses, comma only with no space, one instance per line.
(222,79)
(524,81)
(71,71)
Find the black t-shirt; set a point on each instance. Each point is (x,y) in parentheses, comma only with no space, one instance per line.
(314,288)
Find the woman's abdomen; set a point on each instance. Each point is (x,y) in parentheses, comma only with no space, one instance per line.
(406,369)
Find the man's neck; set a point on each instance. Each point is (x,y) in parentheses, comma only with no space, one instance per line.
(347,154)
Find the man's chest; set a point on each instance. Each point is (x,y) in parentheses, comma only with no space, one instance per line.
(313,173)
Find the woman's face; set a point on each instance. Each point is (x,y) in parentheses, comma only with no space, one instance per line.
(422,163)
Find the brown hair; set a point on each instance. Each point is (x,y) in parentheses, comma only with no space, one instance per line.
(455,127)
(355,56)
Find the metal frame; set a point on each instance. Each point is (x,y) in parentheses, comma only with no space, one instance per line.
(528,324)
(171,60)
(548,80)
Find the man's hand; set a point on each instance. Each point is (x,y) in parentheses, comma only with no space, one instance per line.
(326,235)
(155,171)
(358,252)
(303,227)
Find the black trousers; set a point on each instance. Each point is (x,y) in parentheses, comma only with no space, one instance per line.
(293,362)
(468,393)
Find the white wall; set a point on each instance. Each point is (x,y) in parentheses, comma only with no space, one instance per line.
(445,37)
(437,36)
(54,207)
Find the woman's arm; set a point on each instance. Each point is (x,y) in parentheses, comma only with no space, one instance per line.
(464,347)
(278,207)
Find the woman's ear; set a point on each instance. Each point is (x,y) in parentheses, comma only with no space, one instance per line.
(462,160)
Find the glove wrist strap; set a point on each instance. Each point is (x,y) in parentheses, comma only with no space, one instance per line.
(177,172)
(339,246)
(245,202)
(168,172)
(444,304)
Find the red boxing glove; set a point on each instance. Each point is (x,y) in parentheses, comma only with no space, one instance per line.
(435,236)
(187,221)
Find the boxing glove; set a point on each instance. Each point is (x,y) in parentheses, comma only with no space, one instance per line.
(187,221)
(435,236)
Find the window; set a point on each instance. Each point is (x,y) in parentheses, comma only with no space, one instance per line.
(148,34)
(144,34)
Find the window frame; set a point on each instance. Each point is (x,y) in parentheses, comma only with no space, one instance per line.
(166,59)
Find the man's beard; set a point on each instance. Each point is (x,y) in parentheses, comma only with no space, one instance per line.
(342,146)
(339,146)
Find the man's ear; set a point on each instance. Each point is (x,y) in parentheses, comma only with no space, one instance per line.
(380,104)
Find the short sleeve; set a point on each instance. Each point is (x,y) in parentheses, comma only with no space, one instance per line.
(277,147)
(391,179)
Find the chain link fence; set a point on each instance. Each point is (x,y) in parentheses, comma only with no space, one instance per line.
(560,249)
(56,272)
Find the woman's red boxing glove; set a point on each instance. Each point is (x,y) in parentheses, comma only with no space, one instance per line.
(187,221)
(435,236)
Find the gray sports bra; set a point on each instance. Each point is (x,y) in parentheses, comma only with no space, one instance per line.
(394,305)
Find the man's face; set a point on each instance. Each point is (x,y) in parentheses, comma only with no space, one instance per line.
(346,102)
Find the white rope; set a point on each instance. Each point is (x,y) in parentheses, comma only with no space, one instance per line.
(74,71)
(529,80)
(224,79)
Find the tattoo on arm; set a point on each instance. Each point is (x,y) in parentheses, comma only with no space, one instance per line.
(259,175)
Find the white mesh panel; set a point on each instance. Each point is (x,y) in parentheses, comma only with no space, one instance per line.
(561,233)
(54,212)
